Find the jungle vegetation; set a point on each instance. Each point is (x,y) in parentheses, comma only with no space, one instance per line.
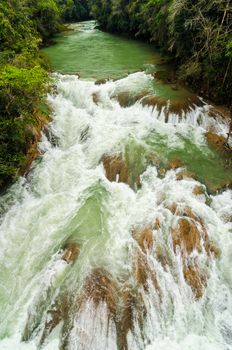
(26,25)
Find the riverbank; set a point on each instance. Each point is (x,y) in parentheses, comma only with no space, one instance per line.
(197,35)
(24,77)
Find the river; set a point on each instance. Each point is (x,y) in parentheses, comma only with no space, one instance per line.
(117,238)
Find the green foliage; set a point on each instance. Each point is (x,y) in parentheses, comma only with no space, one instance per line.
(24,81)
(21,89)
(229,49)
(74,10)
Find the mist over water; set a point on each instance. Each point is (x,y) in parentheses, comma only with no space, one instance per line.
(101,300)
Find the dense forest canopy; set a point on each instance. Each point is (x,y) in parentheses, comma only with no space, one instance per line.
(197,33)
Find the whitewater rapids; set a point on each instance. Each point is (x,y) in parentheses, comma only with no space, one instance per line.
(68,195)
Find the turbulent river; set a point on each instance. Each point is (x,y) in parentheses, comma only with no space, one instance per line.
(117,238)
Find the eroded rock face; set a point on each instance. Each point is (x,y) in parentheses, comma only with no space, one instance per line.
(197,280)
(186,236)
(221,146)
(177,106)
(71,252)
(144,238)
(175,164)
(116,168)
(141,265)
(216,141)
(190,235)
(197,191)
(99,287)
(185,175)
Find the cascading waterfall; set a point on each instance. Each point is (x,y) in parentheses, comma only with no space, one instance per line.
(97,258)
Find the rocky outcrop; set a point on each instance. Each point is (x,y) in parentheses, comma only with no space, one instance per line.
(197,191)
(190,235)
(116,168)
(177,106)
(216,141)
(101,81)
(185,175)
(100,287)
(175,164)
(141,266)
(71,252)
(196,279)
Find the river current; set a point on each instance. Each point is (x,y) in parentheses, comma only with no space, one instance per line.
(133,282)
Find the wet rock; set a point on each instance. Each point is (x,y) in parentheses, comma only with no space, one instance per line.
(175,164)
(144,238)
(186,236)
(127,99)
(126,319)
(142,269)
(191,235)
(185,175)
(219,112)
(166,76)
(123,99)
(71,252)
(196,280)
(177,106)
(216,141)
(157,224)
(154,159)
(100,287)
(101,81)
(212,248)
(197,191)
(116,168)
(58,312)
(96,98)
